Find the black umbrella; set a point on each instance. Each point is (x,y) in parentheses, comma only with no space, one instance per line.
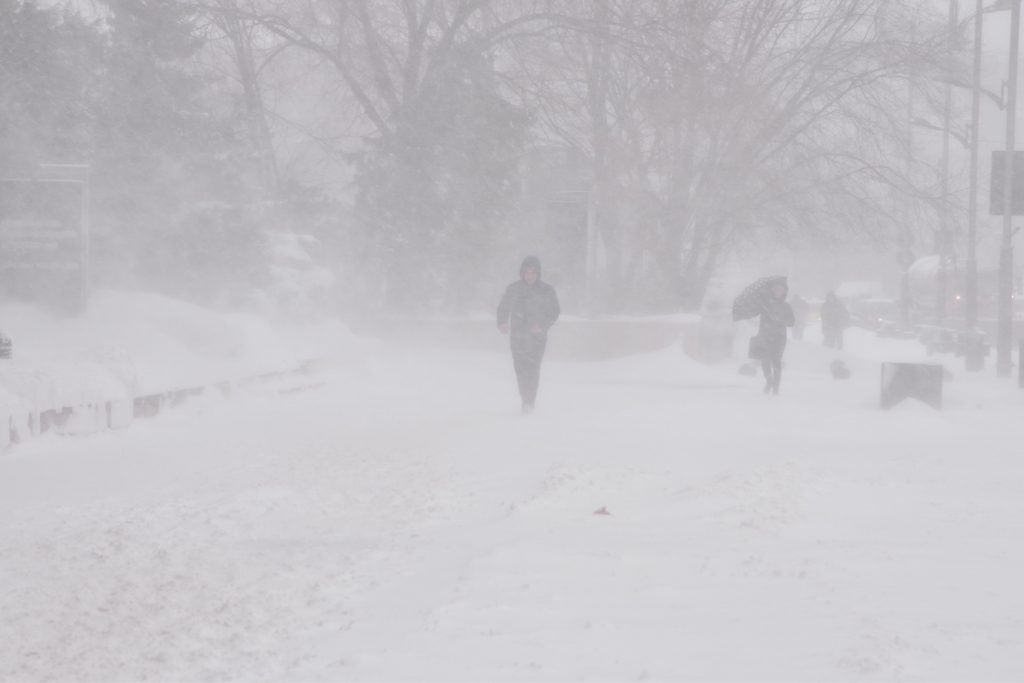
(750,301)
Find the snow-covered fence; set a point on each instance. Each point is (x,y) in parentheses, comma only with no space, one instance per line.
(31,406)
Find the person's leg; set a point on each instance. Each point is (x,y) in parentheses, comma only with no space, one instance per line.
(534,359)
(777,365)
(521,363)
(766,369)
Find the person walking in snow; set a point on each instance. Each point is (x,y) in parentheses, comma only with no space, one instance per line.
(800,308)
(527,310)
(776,316)
(834,319)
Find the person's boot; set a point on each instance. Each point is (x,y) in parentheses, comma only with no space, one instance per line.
(527,408)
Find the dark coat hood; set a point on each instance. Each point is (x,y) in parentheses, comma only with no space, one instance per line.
(530,261)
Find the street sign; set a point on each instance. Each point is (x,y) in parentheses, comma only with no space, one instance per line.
(995,205)
(43,240)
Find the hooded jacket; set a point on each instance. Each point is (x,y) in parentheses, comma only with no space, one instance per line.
(833,313)
(524,306)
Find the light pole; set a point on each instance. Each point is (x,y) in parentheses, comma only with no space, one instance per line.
(907,237)
(974,360)
(1004,340)
(971,289)
(942,245)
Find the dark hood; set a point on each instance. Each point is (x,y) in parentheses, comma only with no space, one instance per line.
(530,261)
(779,280)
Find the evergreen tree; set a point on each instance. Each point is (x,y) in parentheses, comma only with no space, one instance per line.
(49,64)
(433,195)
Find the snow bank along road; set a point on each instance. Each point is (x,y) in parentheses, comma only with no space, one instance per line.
(404,522)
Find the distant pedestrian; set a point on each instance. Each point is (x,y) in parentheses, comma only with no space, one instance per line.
(776,316)
(800,308)
(526,312)
(834,319)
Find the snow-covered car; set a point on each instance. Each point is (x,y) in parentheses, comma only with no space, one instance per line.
(873,314)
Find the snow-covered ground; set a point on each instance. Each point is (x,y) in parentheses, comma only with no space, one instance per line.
(402,521)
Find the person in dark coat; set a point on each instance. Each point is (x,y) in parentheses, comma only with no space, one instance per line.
(834,319)
(776,316)
(800,308)
(526,312)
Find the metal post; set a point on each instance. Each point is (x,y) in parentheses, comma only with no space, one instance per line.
(1004,362)
(906,317)
(973,359)
(942,240)
(971,289)
(1020,366)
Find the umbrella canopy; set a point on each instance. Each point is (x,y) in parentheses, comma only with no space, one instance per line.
(751,300)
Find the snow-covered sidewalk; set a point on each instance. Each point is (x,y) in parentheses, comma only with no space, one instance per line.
(403,521)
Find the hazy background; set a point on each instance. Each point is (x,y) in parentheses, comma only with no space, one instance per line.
(357,157)
(268,180)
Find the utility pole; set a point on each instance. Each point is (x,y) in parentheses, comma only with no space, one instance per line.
(1004,341)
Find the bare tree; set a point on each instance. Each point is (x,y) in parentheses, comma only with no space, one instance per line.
(735,116)
(420,74)
(706,124)
(241,31)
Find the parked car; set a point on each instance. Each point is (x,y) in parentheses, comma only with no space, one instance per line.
(873,314)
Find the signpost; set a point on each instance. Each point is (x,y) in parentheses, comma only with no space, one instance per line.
(44,240)
(995,198)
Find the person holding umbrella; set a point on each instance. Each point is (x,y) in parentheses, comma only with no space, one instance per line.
(766,299)
(776,316)
(834,319)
